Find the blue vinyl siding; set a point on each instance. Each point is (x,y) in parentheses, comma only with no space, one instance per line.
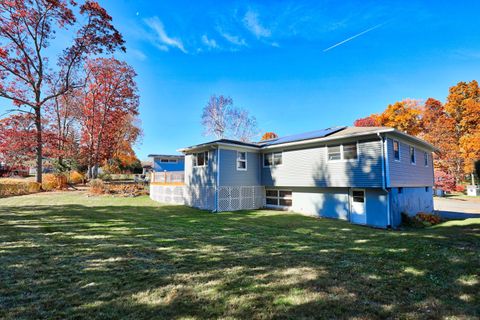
(201,176)
(230,176)
(376,207)
(322,202)
(164,166)
(405,174)
(308,167)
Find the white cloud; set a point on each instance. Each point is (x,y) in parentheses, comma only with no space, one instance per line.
(163,41)
(251,22)
(236,40)
(138,54)
(211,43)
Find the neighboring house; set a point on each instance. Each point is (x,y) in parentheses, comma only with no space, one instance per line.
(366,175)
(165,162)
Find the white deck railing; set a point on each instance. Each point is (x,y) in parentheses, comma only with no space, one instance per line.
(166,177)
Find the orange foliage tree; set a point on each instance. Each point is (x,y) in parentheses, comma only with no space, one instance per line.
(404,116)
(463,106)
(269,135)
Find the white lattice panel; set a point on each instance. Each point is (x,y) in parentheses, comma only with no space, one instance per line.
(240,198)
(167,194)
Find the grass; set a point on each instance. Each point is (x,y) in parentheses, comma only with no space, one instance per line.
(67,256)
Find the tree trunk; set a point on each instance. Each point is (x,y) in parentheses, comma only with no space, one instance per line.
(38,125)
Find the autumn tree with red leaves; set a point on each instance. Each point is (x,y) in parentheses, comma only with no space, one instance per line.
(27,29)
(110,102)
(17,139)
(370,121)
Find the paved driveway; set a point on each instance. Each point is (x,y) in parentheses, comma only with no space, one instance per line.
(457,208)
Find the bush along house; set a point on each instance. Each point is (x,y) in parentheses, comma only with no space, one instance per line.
(366,175)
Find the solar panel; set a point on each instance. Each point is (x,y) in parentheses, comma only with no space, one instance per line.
(302,136)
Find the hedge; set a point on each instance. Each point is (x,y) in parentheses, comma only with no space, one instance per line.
(17,187)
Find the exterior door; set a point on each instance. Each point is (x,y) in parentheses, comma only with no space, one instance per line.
(358,213)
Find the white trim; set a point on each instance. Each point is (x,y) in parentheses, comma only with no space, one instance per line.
(237,160)
(399,150)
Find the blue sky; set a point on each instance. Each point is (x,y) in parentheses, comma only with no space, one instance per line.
(271,58)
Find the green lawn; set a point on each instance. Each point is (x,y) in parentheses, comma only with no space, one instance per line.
(65,255)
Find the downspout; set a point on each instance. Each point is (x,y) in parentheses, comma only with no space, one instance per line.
(384,177)
(217,186)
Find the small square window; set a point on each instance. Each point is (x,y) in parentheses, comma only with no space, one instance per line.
(427,189)
(400,190)
(200,159)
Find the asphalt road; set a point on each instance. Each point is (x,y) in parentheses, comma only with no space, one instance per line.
(457,208)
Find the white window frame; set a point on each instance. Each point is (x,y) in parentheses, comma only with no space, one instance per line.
(342,157)
(278,198)
(240,160)
(273,159)
(399,151)
(425,159)
(410,148)
(195,159)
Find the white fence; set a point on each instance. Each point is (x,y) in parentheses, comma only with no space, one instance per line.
(229,198)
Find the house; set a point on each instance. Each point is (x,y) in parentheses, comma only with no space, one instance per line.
(366,175)
(167,162)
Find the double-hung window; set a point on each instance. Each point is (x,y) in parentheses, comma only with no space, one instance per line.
(347,151)
(335,152)
(272,159)
(396,150)
(200,159)
(241,160)
(412,155)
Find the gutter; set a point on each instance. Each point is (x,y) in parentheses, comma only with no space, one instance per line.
(385,177)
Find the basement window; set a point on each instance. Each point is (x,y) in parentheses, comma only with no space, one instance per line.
(278,198)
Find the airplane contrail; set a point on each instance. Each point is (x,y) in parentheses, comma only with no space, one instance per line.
(353,37)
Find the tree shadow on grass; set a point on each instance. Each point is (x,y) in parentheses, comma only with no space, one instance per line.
(71,261)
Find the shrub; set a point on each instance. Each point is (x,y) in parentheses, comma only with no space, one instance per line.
(16,187)
(97,186)
(105,176)
(460,188)
(52,181)
(428,218)
(75,177)
(127,190)
(420,220)
(49,182)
